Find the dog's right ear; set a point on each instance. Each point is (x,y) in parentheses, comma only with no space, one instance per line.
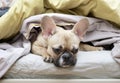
(48,26)
(81,27)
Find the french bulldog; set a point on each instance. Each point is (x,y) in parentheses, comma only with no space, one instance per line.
(60,46)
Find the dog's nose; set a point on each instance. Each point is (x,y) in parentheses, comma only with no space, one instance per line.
(66,56)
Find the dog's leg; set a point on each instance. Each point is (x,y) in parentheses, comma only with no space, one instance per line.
(40,50)
(86,47)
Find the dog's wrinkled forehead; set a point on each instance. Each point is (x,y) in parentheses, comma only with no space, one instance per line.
(65,38)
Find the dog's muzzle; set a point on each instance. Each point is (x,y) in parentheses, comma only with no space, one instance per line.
(66,59)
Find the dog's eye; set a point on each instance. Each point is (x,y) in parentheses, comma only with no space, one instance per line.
(57,50)
(74,50)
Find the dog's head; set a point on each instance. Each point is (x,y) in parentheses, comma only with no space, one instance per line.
(63,44)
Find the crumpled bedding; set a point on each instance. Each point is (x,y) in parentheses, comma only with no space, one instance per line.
(11,52)
(5,5)
(89,65)
(21,9)
(106,31)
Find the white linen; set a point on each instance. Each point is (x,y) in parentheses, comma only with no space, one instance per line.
(10,53)
(94,64)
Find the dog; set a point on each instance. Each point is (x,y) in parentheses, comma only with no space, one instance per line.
(60,46)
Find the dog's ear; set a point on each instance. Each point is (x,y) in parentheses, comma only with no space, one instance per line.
(48,26)
(81,27)
(34,33)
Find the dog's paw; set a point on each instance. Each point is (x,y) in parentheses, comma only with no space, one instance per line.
(99,48)
(48,59)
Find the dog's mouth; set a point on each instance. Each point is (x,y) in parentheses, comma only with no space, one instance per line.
(65,60)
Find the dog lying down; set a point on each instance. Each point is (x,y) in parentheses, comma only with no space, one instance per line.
(59,46)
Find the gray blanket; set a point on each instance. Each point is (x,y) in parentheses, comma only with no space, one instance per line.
(100,32)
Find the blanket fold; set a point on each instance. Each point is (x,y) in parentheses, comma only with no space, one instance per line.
(10,53)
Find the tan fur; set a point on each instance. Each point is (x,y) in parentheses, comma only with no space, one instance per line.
(53,36)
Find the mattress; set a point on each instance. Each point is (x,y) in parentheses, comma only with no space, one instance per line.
(95,64)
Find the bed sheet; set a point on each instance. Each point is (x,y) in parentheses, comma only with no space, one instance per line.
(94,64)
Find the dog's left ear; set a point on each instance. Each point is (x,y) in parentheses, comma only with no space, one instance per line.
(81,27)
(48,26)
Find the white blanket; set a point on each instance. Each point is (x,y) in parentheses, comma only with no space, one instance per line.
(10,53)
(94,64)
(100,32)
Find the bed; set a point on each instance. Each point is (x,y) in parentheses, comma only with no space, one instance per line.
(90,65)
(102,68)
